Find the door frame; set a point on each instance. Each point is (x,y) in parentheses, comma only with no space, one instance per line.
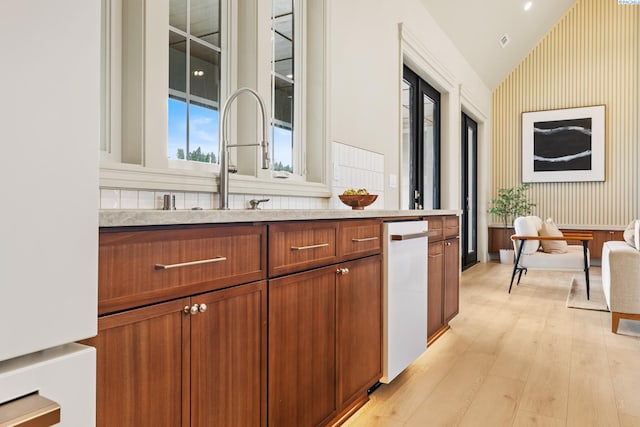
(419,88)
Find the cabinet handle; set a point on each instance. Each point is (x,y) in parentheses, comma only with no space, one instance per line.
(409,236)
(195,309)
(184,264)
(448,243)
(302,248)
(364,239)
(342,271)
(31,410)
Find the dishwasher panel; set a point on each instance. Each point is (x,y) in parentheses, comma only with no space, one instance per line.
(405,295)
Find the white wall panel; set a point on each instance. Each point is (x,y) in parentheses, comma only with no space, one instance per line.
(591,57)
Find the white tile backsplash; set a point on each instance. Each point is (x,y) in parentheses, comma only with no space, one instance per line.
(354,168)
(131,199)
(357,168)
(109,198)
(190,200)
(128,199)
(146,200)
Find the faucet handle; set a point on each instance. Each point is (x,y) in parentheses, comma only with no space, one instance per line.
(255,202)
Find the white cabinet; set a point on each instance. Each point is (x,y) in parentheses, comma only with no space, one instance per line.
(50,133)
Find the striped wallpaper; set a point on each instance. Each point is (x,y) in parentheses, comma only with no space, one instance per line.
(590,57)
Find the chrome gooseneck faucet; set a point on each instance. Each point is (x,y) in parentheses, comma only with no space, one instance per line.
(223,192)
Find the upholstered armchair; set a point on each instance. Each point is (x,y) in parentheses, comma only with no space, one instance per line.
(540,245)
(621,281)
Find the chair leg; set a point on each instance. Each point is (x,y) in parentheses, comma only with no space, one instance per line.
(520,275)
(513,275)
(515,266)
(586,265)
(586,277)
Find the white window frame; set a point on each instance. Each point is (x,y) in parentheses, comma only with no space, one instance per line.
(156,171)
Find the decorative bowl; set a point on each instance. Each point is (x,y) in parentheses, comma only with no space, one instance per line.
(358,201)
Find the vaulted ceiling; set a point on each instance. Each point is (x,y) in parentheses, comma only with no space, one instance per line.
(476,28)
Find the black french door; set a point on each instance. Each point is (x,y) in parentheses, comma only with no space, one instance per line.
(469,217)
(421,143)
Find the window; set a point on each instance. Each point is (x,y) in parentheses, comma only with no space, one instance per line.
(283,78)
(168,68)
(194,80)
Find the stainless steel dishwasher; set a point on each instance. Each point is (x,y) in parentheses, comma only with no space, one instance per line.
(404,295)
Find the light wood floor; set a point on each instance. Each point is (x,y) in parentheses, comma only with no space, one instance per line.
(523,359)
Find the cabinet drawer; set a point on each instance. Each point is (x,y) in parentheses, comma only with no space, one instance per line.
(300,246)
(359,238)
(435,225)
(142,267)
(451,226)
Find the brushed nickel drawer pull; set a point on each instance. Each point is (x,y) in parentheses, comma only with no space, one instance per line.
(302,248)
(184,264)
(365,239)
(31,410)
(409,236)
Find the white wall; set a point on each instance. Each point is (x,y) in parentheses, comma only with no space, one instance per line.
(368,42)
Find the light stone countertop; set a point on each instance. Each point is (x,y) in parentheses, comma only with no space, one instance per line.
(134,217)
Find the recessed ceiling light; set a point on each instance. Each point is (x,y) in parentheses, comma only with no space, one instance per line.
(528,5)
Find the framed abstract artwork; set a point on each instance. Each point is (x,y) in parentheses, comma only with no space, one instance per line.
(563,145)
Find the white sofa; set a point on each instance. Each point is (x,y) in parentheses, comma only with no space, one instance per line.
(621,281)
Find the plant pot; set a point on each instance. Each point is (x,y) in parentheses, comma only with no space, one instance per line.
(506,256)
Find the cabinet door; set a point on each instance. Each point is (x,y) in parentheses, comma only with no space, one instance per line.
(141,354)
(435,288)
(599,238)
(359,327)
(228,357)
(451,278)
(302,348)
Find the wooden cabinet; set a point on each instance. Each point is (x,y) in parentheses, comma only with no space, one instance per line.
(196,361)
(146,266)
(358,329)
(199,356)
(228,357)
(300,246)
(359,238)
(140,361)
(188,337)
(496,237)
(301,348)
(443,274)
(325,331)
(599,238)
(451,281)
(435,290)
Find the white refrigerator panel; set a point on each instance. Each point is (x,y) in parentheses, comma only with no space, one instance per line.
(50,133)
(405,296)
(65,374)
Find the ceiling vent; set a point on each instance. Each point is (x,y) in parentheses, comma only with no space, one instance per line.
(504,40)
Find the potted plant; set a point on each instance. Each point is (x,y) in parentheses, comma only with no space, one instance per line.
(510,203)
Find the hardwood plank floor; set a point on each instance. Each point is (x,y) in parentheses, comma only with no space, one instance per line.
(519,359)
